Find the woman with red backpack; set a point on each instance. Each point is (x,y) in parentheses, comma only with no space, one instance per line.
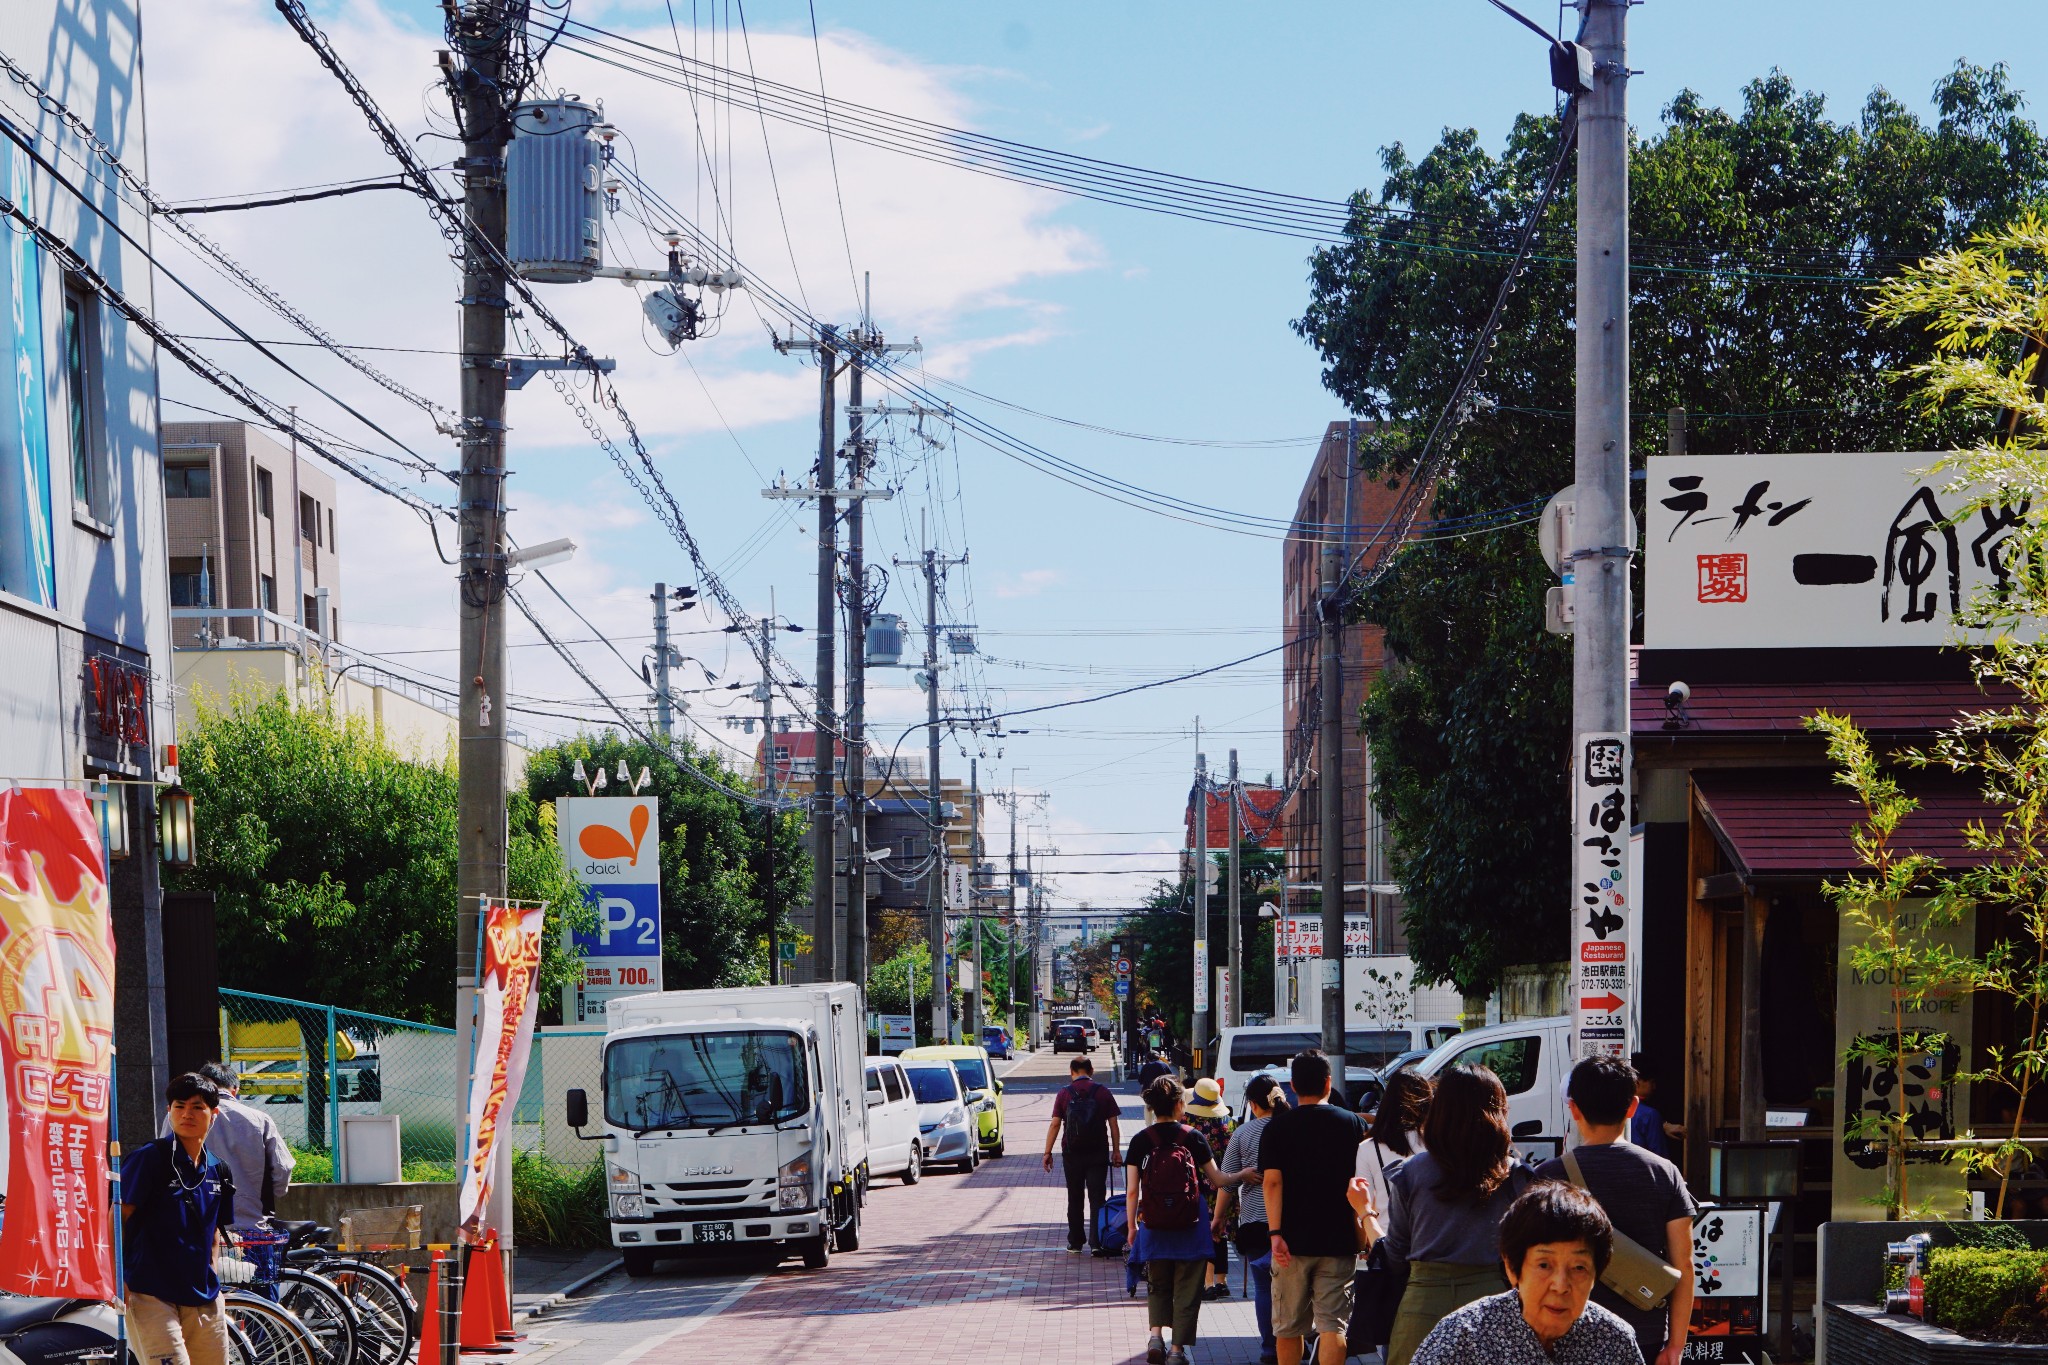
(1165,1171)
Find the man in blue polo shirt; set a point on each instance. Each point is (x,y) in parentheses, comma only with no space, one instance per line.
(176,1200)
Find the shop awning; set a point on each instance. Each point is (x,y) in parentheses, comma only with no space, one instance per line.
(1795,822)
(1766,707)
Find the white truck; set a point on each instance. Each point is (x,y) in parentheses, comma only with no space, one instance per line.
(734,1121)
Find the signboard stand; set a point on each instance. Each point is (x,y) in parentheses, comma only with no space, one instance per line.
(612,845)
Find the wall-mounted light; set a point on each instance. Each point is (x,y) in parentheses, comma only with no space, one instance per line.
(175,827)
(111,805)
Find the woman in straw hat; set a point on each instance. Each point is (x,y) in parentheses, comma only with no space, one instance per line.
(1210,1116)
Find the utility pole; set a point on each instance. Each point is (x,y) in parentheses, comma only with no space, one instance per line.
(1010,971)
(856,671)
(1201,1026)
(1233,1008)
(664,706)
(973,914)
(1603,535)
(772,814)
(480,751)
(933,564)
(1330,789)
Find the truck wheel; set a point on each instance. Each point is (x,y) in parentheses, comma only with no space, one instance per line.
(639,1263)
(849,1231)
(914,1172)
(817,1251)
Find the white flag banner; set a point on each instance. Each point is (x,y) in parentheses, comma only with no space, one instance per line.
(507,1006)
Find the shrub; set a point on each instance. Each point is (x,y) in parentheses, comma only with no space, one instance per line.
(556,1205)
(1979,1290)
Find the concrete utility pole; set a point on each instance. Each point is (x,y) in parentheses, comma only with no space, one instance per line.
(856,672)
(480,750)
(824,831)
(1201,1022)
(1330,790)
(664,705)
(1603,532)
(771,815)
(933,564)
(973,913)
(1233,1008)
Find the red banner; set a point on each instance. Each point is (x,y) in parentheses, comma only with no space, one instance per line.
(56,1040)
(506,1008)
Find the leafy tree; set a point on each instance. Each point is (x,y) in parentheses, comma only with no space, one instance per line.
(1160,939)
(714,920)
(332,859)
(1758,234)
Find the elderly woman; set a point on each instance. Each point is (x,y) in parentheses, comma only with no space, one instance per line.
(1554,1243)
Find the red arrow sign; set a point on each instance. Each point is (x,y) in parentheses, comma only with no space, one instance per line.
(1606,1004)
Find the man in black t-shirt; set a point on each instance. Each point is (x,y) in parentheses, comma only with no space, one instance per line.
(1084,1123)
(1307,1156)
(1643,1195)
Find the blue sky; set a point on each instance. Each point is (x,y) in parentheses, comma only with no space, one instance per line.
(1097,313)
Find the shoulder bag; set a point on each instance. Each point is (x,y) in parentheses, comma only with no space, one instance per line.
(1642,1277)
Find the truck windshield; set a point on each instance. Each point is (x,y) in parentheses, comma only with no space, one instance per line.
(973,1075)
(705,1080)
(933,1085)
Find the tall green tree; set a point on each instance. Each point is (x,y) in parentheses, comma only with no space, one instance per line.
(332,859)
(1758,235)
(714,921)
(1160,939)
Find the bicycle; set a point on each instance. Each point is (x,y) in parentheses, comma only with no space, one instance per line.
(255,1264)
(387,1318)
(262,1333)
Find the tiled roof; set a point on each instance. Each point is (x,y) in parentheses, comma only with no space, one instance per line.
(1771,708)
(1260,816)
(1796,822)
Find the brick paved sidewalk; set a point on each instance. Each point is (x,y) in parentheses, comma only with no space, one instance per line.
(958,1268)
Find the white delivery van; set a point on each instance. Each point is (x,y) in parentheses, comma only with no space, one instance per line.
(1242,1053)
(733,1120)
(893,1145)
(1532,1057)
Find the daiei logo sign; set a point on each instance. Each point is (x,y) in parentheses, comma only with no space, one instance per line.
(612,845)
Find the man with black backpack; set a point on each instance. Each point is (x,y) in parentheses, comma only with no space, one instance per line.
(1084,1122)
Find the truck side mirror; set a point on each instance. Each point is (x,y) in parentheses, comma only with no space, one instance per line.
(579,1109)
(999,1087)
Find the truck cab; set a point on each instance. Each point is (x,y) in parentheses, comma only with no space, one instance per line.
(732,1122)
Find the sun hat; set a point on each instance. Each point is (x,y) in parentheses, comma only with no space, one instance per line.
(1207,1100)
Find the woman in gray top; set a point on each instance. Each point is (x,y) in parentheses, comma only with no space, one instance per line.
(1448,1202)
(1263,1097)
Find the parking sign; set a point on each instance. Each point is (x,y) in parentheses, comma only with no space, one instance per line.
(612,845)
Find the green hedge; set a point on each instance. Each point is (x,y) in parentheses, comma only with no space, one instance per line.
(1977,1290)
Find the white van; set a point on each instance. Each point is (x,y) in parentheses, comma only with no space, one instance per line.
(1532,1057)
(1242,1053)
(894,1147)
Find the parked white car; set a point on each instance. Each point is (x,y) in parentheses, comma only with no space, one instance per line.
(944,1126)
(1532,1057)
(895,1147)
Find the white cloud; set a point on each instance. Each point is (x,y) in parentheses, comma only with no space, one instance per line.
(237,103)
(1029,583)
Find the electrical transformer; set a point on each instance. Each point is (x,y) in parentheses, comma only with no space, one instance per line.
(554,192)
(885,640)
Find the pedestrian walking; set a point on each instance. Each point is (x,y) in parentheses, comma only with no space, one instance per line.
(1646,1127)
(246,1141)
(1210,1116)
(1306,1157)
(176,1201)
(1396,1132)
(1642,1194)
(1244,1186)
(1154,1067)
(1446,1204)
(1554,1245)
(1084,1123)
(1165,1171)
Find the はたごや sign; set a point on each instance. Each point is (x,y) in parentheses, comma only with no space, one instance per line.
(1789,551)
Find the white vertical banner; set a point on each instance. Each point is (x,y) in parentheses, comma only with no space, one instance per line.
(1601,994)
(507,1005)
(1201,978)
(1222,997)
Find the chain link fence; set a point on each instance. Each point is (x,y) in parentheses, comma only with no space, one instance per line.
(309,1066)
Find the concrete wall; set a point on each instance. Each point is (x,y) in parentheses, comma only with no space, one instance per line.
(326,1203)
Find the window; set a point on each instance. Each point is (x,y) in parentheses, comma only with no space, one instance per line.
(1514,1060)
(705,1080)
(334,623)
(875,1085)
(330,528)
(894,1084)
(934,1083)
(81,400)
(191,583)
(28,560)
(310,613)
(188,481)
(309,518)
(266,593)
(263,493)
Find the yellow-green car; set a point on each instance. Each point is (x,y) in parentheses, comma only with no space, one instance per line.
(978,1082)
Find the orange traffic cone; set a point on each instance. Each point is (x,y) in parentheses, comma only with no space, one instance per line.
(501,1298)
(483,1303)
(430,1317)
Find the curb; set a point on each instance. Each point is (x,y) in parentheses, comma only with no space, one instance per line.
(567,1292)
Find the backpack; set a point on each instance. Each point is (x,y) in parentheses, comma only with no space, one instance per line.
(1087,1126)
(1170,1186)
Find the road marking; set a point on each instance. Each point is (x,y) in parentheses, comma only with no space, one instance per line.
(689,1325)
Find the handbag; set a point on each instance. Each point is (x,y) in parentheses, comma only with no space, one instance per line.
(1642,1277)
(1376,1292)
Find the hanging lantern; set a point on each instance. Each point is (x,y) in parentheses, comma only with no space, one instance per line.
(174,825)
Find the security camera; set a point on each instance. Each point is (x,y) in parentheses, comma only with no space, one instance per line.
(1677,695)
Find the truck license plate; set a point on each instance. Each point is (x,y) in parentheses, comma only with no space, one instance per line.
(711,1232)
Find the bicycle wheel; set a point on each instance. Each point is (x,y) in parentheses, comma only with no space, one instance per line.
(324,1309)
(241,1350)
(275,1335)
(387,1320)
